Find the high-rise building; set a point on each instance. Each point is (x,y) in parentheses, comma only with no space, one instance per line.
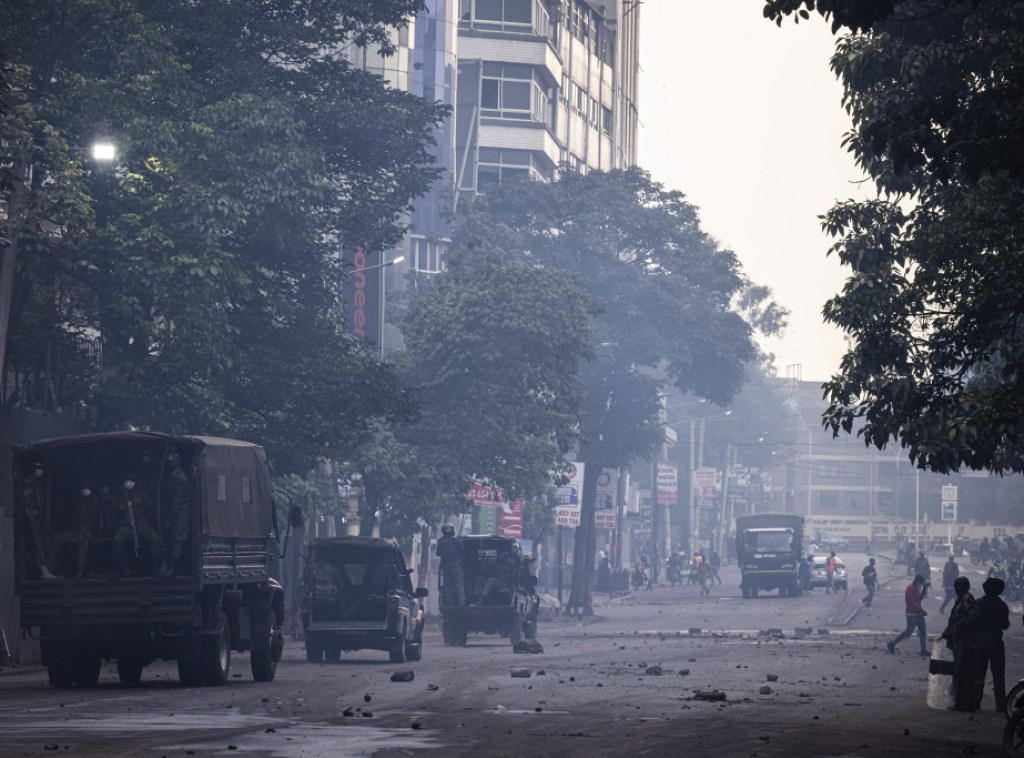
(536,87)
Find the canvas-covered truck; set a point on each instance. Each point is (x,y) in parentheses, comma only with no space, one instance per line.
(500,592)
(357,595)
(768,549)
(139,546)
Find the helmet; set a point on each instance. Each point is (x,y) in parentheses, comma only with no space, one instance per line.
(448,530)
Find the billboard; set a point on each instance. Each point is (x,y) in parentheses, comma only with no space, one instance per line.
(668,482)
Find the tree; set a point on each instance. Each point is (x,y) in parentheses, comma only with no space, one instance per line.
(195,285)
(666,293)
(494,351)
(932,301)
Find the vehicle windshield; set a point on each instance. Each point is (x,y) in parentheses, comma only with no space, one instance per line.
(770,540)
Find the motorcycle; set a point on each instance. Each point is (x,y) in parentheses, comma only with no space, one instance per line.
(640,579)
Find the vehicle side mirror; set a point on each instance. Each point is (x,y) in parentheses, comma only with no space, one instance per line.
(295,517)
(421,592)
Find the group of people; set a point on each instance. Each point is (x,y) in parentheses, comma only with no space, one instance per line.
(973,632)
(127,514)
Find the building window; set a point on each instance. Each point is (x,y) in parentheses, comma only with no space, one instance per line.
(510,16)
(509,90)
(501,164)
(427,255)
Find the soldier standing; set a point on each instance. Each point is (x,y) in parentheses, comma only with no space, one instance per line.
(36,500)
(136,535)
(449,550)
(180,506)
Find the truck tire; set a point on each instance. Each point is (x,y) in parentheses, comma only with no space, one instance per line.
(414,650)
(264,662)
(332,652)
(794,589)
(129,670)
(454,633)
(515,630)
(314,650)
(190,673)
(530,628)
(59,674)
(397,652)
(746,591)
(85,670)
(215,657)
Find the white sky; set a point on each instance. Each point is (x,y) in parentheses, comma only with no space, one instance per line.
(745,118)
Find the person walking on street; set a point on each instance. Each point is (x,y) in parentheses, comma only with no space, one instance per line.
(449,550)
(870,574)
(915,593)
(922,567)
(950,571)
(993,619)
(830,573)
(961,634)
(716,563)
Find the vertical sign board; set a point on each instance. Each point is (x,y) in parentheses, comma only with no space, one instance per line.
(607,483)
(949,493)
(569,494)
(668,482)
(567,515)
(362,292)
(705,484)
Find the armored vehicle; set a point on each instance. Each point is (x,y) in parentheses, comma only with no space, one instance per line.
(138,546)
(357,595)
(500,592)
(769,547)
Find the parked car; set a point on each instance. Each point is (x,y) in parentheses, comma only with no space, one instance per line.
(832,541)
(357,596)
(819,576)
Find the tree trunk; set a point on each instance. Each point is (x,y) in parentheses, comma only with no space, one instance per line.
(584,547)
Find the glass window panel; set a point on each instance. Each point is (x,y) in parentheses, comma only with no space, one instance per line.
(490,154)
(488,10)
(487,175)
(518,11)
(489,93)
(515,173)
(492,69)
(517,71)
(514,157)
(515,96)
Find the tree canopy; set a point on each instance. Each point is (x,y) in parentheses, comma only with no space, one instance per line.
(193,285)
(932,301)
(667,297)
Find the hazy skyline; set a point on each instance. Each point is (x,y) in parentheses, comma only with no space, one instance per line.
(746,119)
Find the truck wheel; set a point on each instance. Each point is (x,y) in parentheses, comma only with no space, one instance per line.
(314,650)
(448,632)
(190,673)
(264,662)
(515,630)
(59,674)
(530,628)
(414,650)
(397,653)
(85,670)
(129,670)
(332,653)
(215,658)
(794,589)
(746,591)
(753,591)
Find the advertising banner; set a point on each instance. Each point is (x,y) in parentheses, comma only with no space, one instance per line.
(604,519)
(509,514)
(362,292)
(668,482)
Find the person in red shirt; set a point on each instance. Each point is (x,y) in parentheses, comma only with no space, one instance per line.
(915,593)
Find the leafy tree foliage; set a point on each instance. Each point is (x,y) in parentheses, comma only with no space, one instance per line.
(193,286)
(933,301)
(667,297)
(494,352)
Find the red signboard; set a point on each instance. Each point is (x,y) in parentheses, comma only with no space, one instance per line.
(510,513)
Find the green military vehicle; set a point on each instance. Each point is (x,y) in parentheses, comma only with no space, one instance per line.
(139,546)
(501,593)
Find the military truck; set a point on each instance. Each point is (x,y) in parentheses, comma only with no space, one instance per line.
(769,547)
(139,546)
(357,595)
(501,593)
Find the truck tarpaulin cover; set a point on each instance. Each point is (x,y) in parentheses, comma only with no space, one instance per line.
(235,489)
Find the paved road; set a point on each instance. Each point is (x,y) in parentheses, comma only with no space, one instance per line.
(594,691)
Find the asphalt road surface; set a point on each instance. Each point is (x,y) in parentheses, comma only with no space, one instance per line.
(660,672)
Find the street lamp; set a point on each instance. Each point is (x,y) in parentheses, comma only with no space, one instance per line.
(694,514)
(104,151)
(385,264)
